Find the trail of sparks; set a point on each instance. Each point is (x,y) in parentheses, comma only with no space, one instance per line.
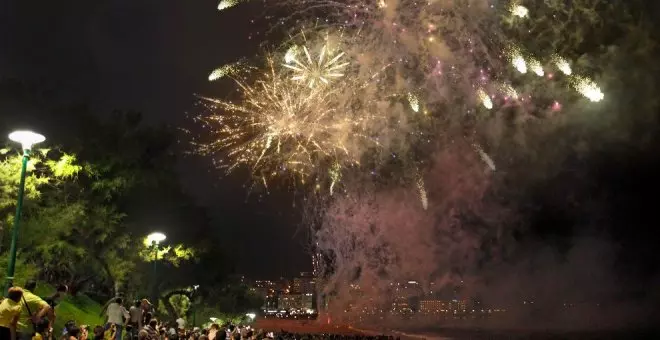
(225,4)
(484,156)
(422,192)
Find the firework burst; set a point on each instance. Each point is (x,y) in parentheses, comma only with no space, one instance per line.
(280,127)
(354,74)
(315,70)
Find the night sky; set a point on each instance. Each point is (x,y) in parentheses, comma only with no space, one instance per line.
(152,57)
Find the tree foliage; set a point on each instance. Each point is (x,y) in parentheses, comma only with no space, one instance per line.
(93,197)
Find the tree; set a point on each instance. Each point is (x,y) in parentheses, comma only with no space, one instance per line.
(126,187)
(48,171)
(42,171)
(233,299)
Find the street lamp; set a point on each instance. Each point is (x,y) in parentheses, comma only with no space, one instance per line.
(27,139)
(193,297)
(154,239)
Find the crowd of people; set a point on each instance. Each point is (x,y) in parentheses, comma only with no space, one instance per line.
(26,316)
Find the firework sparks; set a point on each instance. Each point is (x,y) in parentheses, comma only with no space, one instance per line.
(280,127)
(519,11)
(317,116)
(589,89)
(484,156)
(422,192)
(508,91)
(226,70)
(413,101)
(343,75)
(519,63)
(290,54)
(563,66)
(335,176)
(224,4)
(536,67)
(314,71)
(485,99)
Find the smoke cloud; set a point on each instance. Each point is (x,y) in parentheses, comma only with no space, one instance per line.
(479,242)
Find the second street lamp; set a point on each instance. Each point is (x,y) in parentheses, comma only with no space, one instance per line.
(154,239)
(27,139)
(193,297)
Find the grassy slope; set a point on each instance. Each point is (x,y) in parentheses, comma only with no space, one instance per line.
(80,308)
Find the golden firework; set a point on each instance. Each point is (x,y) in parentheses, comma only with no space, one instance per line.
(413,101)
(224,4)
(485,99)
(588,88)
(315,70)
(279,127)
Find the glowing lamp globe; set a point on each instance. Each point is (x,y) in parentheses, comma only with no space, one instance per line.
(156,238)
(26,138)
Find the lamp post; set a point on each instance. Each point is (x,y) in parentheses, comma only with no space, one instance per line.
(192,304)
(155,239)
(27,139)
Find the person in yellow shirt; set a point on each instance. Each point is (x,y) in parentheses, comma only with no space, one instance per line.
(34,309)
(10,311)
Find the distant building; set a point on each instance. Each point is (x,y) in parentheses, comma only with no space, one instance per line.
(433,306)
(264,288)
(317,263)
(475,305)
(307,301)
(264,284)
(295,301)
(270,302)
(283,286)
(458,306)
(305,284)
(289,301)
(407,290)
(401,306)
